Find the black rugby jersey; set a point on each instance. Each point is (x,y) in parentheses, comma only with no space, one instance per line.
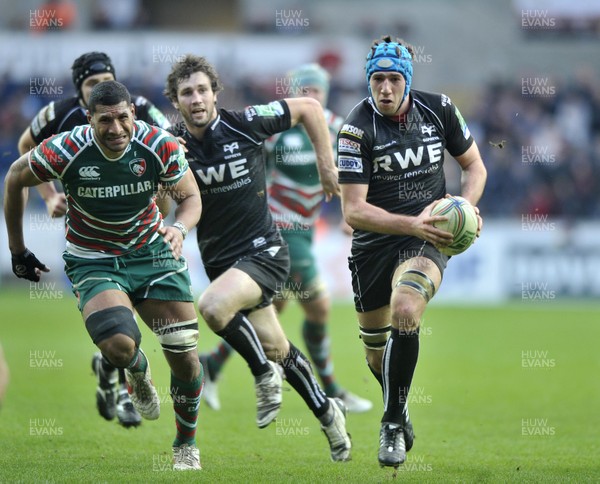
(66,114)
(229,167)
(402,162)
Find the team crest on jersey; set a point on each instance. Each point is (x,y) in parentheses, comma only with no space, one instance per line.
(228,148)
(427,129)
(137,166)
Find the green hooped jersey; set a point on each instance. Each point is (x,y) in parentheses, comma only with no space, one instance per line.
(111,202)
(295,191)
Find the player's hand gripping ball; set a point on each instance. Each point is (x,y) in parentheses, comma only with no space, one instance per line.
(462,223)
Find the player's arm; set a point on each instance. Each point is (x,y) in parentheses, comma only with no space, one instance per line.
(309,112)
(473,177)
(16,183)
(26,141)
(56,202)
(148,112)
(360,214)
(473,174)
(187,214)
(162,198)
(163,201)
(459,140)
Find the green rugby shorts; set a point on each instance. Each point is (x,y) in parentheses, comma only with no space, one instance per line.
(147,273)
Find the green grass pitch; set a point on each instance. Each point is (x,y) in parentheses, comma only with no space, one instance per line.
(501,394)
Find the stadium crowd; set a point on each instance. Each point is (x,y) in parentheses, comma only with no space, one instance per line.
(540,139)
(541,146)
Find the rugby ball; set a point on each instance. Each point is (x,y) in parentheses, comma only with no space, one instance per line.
(462,223)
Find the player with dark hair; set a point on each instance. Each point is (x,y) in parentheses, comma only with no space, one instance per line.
(119,254)
(295,198)
(390,161)
(88,70)
(243,253)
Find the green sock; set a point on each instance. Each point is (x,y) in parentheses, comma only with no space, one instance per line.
(318,344)
(139,362)
(217,358)
(186,401)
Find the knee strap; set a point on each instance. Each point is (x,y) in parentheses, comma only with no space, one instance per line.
(105,323)
(419,281)
(315,290)
(375,339)
(178,337)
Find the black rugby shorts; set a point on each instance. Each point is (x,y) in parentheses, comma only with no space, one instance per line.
(372,269)
(269,268)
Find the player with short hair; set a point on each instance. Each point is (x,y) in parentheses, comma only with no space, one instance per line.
(295,198)
(88,70)
(243,253)
(390,161)
(119,254)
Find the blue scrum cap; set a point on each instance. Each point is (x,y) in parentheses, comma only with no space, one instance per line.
(390,57)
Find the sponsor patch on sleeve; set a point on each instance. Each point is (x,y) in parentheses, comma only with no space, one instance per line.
(42,118)
(270,110)
(463,124)
(250,112)
(348,146)
(350,163)
(352,131)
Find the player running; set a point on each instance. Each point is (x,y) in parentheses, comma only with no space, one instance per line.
(88,70)
(390,161)
(119,254)
(243,253)
(295,198)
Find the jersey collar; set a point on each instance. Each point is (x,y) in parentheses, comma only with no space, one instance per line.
(216,121)
(398,119)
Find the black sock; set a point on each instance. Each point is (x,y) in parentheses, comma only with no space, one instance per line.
(241,336)
(376,374)
(299,374)
(107,366)
(399,363)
